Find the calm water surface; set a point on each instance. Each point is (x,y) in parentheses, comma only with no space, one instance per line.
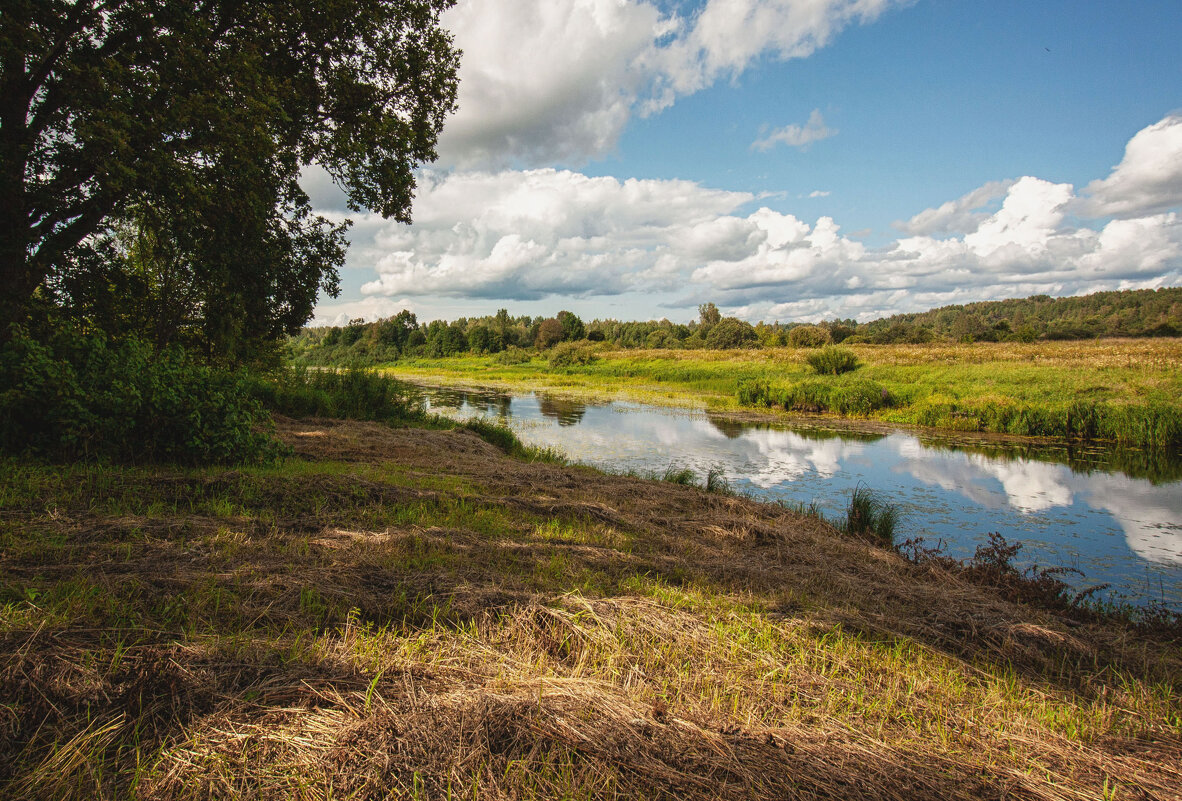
(1117,518)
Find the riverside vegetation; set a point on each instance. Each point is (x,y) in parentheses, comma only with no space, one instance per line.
(1039,367)
(403,609)
(1127,392)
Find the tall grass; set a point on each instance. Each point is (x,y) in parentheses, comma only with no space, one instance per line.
(503,437)
(353,394)
(869,515)
(683,476)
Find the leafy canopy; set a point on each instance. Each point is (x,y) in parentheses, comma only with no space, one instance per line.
(150,151)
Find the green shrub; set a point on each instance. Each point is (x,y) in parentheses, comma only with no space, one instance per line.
(805,396)
(512,355)
(717,482)
(680,475)
(569,354)
(82,396)
(809,336)
(832,360)
(858,398)
(503,437)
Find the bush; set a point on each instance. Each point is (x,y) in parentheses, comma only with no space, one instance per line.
(549,334)
(809,336)
(832,360)
(512,355)
(730,332)
(569,354)
(81,396)
(684,476)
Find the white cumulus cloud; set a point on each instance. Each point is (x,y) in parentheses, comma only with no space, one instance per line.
(956,216)
(533,234)
(799,136)
(1148,178)
(556,81)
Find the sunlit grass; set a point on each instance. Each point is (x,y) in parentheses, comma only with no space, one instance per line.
(1017,388)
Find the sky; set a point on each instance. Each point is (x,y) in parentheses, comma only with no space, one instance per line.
(790,160)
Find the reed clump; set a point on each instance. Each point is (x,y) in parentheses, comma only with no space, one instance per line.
(870,515)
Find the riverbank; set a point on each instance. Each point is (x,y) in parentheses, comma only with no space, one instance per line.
(411,612)
(1127,391)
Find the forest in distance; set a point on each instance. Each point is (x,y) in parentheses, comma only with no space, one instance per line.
(1129,313)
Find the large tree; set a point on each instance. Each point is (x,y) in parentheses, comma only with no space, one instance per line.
(187,122)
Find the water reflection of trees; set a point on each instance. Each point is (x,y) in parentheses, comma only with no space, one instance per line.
(1158,467)
(486,403)
(566,411)
(733,429)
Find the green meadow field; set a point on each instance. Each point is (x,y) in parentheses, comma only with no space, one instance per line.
(1127,391)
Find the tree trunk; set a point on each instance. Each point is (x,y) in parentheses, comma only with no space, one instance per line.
(17,281)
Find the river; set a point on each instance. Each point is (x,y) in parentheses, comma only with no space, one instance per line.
(1115,517)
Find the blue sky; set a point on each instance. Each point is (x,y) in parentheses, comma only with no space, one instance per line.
(786,159)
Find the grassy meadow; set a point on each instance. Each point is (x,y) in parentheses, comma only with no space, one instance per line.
(1126,391)
(412,613)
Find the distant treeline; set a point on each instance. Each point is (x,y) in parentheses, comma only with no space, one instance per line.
(1132,313)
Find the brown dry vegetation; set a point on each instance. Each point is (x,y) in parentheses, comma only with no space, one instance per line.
(410,613)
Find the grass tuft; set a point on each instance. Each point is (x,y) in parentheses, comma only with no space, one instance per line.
(871,516)
(683,476)
(832,360)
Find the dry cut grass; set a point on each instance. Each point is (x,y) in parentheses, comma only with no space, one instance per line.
(410,614)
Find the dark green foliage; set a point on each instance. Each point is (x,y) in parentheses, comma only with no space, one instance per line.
(708,314)
(352,394)
(870,516)
(166,139)
(978,322)
(1128,313)
(855,398)
(480,339)
(832,360)
(549,333)
(809,336)
(716,482)
(82,396)
(730,332)
(572,326)
(513,355)
(754,392)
